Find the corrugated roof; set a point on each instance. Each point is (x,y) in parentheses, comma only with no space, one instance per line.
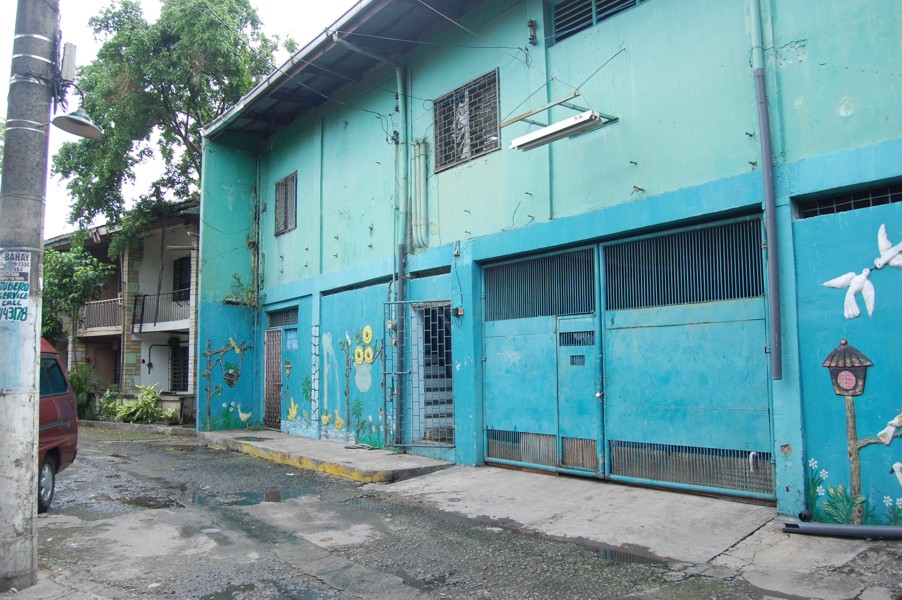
(382,31)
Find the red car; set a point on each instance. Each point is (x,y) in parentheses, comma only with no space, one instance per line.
(58,435)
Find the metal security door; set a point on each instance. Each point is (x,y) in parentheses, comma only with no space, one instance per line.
(686,381)
(578,393)
(542,370)
(272,388)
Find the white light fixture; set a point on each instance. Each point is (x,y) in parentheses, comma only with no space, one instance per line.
(581,123)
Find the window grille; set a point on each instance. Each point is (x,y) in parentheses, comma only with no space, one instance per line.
(577,338)
(837,203)
(287,203)
(178,368)
(560,284)
(702,265)
(280,318)
(181,279)
(466,122)
(572,16)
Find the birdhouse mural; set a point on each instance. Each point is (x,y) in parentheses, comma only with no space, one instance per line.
(856,482)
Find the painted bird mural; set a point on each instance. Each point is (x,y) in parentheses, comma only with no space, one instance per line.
(888,432)
(889,254)
(897,469)
(244,416)
(855,283)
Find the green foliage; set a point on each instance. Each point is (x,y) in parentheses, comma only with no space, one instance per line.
(243,294)
(152,89)
(840,505)
(85,385)
(71,279)
(143,409)
(109,403)
(171,416)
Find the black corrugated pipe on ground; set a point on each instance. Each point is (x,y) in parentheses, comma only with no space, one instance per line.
(864,532)
(770,208)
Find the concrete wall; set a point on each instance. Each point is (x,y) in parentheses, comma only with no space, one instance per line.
(686,150)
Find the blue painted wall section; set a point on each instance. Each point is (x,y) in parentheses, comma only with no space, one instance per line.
(684,155)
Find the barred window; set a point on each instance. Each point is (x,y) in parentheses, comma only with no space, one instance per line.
(280,318)
(287,203)
(181,279)
(837,203)
(572,16)
(466,122)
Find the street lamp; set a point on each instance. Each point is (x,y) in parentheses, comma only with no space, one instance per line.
(78,122)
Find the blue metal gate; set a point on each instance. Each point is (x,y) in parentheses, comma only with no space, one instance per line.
(542,369)
(687,399)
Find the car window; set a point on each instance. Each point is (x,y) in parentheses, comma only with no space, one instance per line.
(52,379)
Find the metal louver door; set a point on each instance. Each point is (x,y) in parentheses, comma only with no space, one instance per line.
(578,383)
(272,393)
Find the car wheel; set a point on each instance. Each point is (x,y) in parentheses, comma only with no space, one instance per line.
(46,483)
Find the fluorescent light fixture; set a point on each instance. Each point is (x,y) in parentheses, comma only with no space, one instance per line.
(581,123)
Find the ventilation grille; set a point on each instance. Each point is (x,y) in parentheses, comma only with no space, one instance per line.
(577,338)
(516,446)
(736,470)
(572,16)
(541,449)
(703,265)
(280,318)
(466,122)
(562,284)
(837,203)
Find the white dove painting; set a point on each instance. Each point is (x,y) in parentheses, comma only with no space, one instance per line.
(889,254)
(855,283)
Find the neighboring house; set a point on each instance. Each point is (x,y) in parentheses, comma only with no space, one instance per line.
(141,331)
(632,293)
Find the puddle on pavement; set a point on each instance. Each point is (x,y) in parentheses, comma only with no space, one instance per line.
(245,498)
(251,438)
(150,502)
(621,556)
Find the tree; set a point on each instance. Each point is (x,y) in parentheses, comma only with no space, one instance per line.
(71,279)
(152,89)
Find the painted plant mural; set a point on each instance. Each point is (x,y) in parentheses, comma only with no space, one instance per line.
(844,501)
(347,407)
(224,411)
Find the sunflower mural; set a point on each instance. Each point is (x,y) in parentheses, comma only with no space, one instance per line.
(358,424)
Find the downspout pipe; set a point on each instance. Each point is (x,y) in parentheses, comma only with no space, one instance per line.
(770,205)
(861,532)
(403,155)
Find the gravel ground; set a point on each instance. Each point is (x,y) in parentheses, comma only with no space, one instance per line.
(147,516)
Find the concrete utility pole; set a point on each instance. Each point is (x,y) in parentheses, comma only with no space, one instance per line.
(22,193)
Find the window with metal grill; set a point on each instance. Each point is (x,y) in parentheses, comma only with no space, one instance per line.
(561,284)
(181,279)
(572,16)
(287,203)
(837,203)
(280,318)
(178,368)
(703,265)
(466,122)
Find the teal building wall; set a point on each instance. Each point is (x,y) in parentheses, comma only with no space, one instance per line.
(684,153)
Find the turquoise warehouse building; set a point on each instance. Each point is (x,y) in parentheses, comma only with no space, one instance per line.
(621,239)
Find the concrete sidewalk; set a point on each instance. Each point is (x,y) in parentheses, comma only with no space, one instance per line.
(702,535)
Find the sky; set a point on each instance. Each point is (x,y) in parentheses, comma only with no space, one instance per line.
(302,20)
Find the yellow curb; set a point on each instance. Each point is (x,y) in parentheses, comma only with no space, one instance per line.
(384,476)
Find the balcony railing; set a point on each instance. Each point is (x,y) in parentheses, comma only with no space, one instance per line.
(161,308)
(102,313)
